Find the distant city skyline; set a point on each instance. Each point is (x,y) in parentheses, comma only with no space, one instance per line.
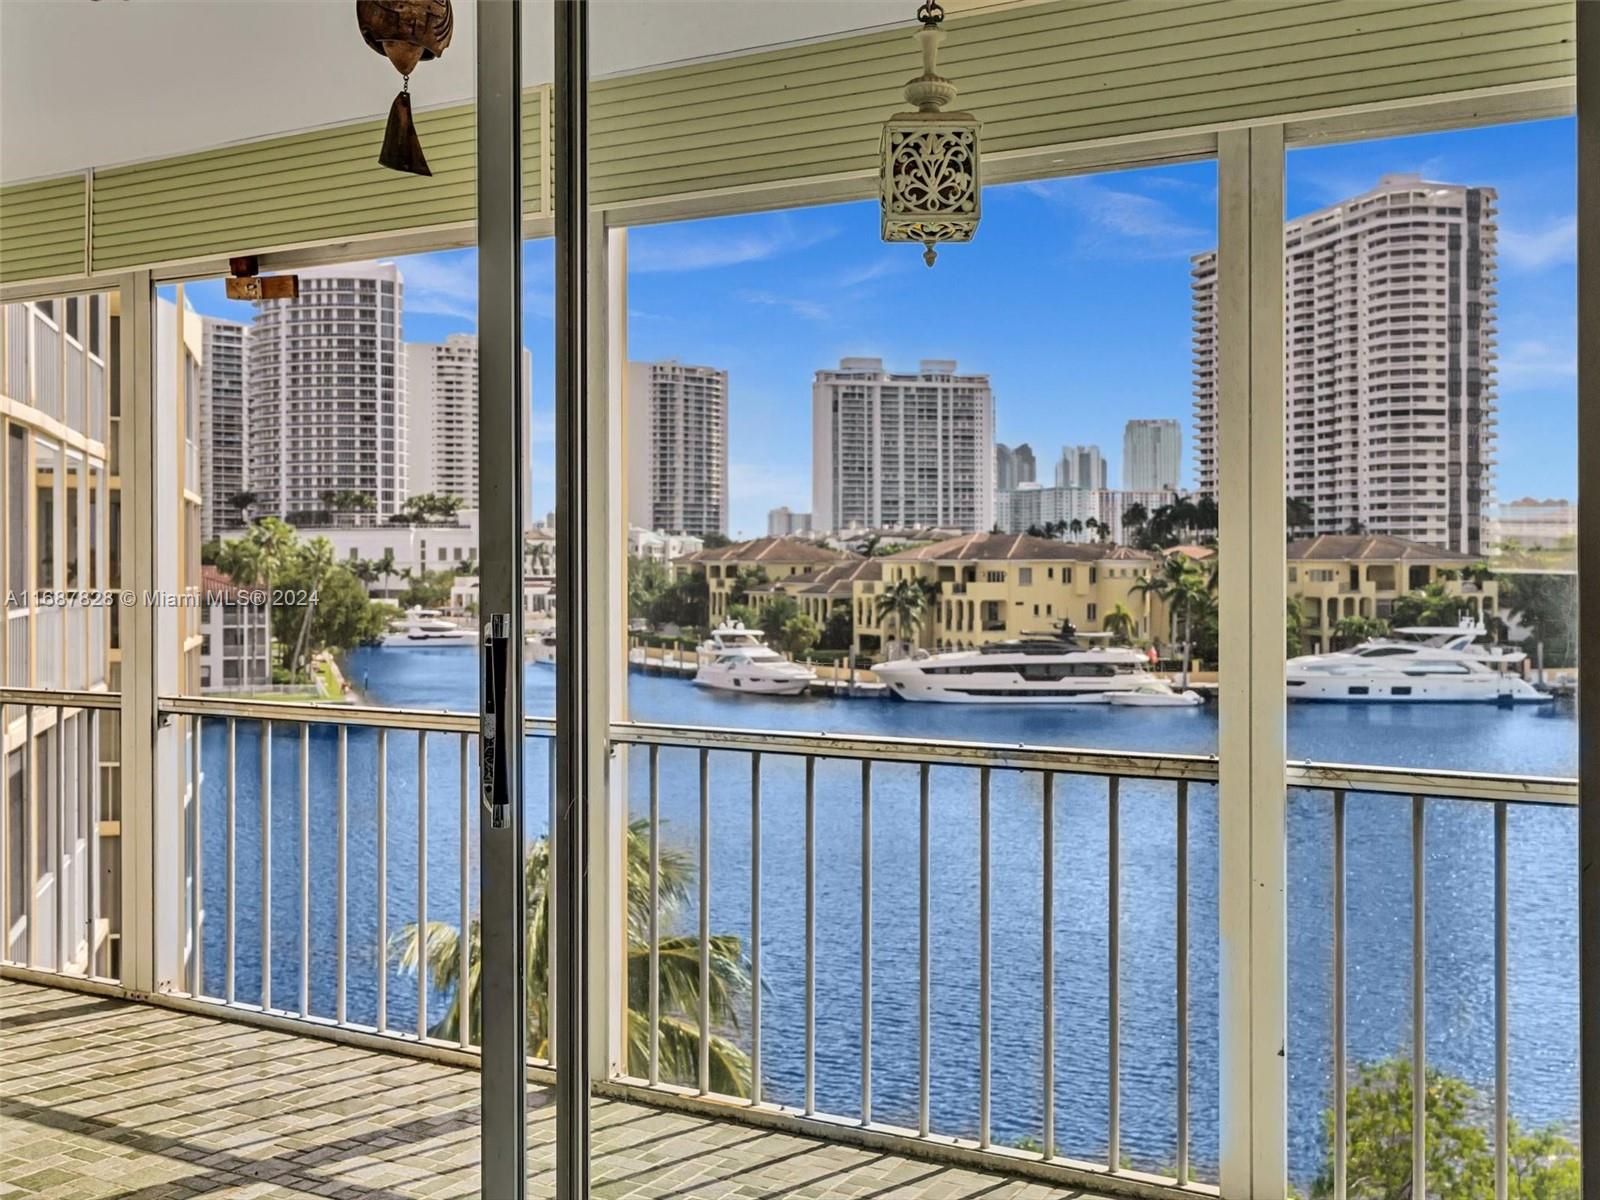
(1074,297)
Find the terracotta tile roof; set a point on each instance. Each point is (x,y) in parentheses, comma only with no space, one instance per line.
(1336,547)
(998,547)
(215,584)
(767,549)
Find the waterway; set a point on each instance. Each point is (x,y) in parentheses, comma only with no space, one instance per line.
(1459,915)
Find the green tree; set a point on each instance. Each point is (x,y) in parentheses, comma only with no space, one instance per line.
(685,601)
(1351,631)
(243,502)
(1294,628)
(840,631)
(745,578)
(1120,624)
(259,559)
(799,634)
(1298,515)
(648,578)
(1432,605)
(905,602)
(1542,1164)
(1547,605)
(1187,589)
(438,952)
(774,614)
(427,589)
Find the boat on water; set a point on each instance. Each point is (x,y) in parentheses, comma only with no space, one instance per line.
(737,659)
(1155,695)
(1076,669)
(1431,664)
(542,647)
(427,627)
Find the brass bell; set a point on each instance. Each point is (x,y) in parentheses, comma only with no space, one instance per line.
(405,32)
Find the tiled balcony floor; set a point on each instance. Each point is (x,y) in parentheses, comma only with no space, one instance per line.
(106,1098)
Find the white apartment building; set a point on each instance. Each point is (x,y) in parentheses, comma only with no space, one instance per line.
(1033,505)
(891,450)
(783,522)
(222,423)
(677,437)
(327,388)
(1082,467)
(1532,524)
(402,548)
(662,547)
(235,640)
(1389,362)
(1152,455)
(442,416)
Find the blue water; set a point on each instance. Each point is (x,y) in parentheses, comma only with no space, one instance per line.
(1459,897)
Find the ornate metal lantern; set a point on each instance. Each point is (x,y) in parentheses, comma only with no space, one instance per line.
(930,187)
(405,32)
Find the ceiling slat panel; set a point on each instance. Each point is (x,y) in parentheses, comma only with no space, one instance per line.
(41,229)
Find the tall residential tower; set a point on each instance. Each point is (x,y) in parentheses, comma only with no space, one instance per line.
(1152,456)
(1389,362)
(327,390)
(442,416)
(677,448)
(222,424)
(897,450)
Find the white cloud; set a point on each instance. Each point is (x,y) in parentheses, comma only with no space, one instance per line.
(809,309)
(707,246)
(1115,223)
(444,285)
(1532,363)
(1535,249)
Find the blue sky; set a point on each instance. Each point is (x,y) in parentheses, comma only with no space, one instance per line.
(1074,298)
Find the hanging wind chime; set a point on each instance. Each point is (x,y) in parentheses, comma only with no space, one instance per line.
(930,190)
(405,32)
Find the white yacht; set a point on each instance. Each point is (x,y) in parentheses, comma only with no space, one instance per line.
(1156,695)
(1032,670)
(542,647)
(1417,664)
(737,659)
(427,627)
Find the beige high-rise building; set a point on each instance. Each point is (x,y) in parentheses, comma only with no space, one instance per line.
(677,440)
(442,416)
(1389,362)
(893,450)
(1152,455)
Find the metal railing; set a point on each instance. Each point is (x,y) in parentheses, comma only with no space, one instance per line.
(352,761)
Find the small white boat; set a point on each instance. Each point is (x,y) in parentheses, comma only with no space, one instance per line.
(736,659)
(427,627)
(1155,695)
(542,648)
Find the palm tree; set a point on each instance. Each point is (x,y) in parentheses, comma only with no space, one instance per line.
(261,556)
(244,502)
(905,602)
(1077,528)
(1352,630)
(1182,585)
(1120,624)
(678,1030)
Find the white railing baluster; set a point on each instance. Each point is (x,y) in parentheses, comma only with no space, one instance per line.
(755,928)
(1502,1032)
(1419,1012)
(264,771)
(341,900)
(655,915)
(551,903)
(703,1074)
(92,834)
(62,854)
(31,816)
(1182,966)
(924,957)
(197,851)
(1341,1136)
(984,998)
(383,880)
(866,941)
(231,904)
(463,953)
(1047,913)
(1113,974)
(811,936)
(305,869)
(422,885)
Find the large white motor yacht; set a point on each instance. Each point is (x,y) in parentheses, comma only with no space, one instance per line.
(1032,670)
(427,627)
(1417,664)
(737,659)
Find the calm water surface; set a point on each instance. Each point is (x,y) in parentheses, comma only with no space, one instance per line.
(1459,912)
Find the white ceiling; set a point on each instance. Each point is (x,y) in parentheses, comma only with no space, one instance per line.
(101,82)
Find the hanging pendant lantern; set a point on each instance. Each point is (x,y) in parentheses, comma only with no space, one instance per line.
(405,32)
(929,186)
